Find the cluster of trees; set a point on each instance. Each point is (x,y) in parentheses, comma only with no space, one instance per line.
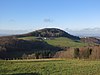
(88,52)
(85,53)
(39,54)
(92,52)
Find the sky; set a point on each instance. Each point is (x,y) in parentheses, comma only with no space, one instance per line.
(38,14)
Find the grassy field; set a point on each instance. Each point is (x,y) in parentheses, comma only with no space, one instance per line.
(65,42)
(49,67)
(28,38)
(61,41)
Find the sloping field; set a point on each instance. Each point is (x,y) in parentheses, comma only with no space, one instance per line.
(61,41)
(65,42)
(49,67)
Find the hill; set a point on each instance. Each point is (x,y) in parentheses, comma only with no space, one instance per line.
(50,32)
(42,43)
(90,40)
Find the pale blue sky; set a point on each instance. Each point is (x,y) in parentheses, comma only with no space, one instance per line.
(37,14)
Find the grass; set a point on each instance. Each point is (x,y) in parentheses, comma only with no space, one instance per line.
(28,38)
(50,67)
(61,41)
(65,42)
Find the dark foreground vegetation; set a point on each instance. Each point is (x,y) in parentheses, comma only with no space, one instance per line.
(11,47)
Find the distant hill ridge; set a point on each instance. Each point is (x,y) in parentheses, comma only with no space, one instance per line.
(50,32)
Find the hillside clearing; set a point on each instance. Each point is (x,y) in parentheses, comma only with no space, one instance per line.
(61,41)
(65,42)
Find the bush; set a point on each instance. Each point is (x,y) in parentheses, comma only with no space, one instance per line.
(76,53)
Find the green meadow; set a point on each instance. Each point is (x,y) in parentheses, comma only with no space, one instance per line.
(50,67)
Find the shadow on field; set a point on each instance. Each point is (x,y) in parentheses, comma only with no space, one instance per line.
(25,74)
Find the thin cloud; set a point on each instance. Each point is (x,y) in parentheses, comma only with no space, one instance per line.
(12,20)
(48,20)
